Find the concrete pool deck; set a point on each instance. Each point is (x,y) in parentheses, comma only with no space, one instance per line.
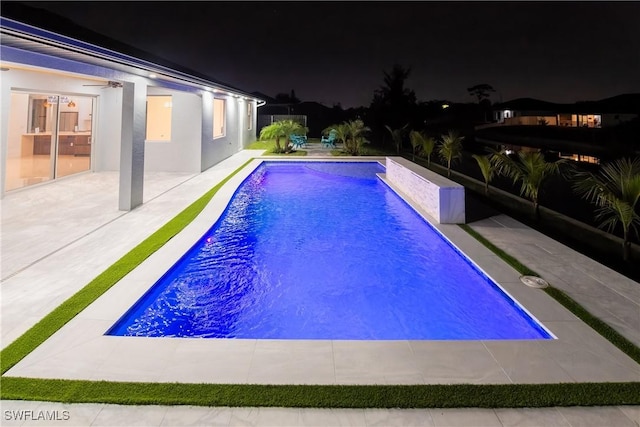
(80,350)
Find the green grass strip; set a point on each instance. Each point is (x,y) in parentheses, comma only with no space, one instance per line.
(325,396)
(613,336)
(62,314)
(517,265)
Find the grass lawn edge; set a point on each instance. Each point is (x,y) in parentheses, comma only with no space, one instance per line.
(325,396)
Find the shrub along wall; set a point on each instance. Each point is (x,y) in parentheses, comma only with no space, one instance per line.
(591,241)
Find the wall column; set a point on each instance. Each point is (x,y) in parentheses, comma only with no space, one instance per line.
(5,107)
(206,130)
(134,105)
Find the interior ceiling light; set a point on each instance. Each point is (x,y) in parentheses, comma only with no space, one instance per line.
(153,76)
(50,101)
(71,104)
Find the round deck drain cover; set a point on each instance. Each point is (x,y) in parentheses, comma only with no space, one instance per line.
(534,282)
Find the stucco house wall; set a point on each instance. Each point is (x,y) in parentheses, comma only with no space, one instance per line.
(182,152)
(119,116)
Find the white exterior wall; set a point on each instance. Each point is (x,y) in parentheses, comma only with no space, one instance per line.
(215,150)
(107,139)
(440,197)
(192,147)
(247,135)
(134,112)
(182,153)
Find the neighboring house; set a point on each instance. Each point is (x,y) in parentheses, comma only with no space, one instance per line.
(71,106)
(590,114)
(589,132)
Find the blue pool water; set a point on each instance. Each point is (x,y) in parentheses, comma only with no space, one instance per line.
(324,251)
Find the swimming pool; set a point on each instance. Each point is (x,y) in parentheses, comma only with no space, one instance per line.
(324,250)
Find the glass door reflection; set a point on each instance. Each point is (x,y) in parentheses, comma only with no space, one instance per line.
(31,139)
(74,135)
(41,125)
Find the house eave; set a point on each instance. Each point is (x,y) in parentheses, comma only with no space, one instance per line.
(27,37)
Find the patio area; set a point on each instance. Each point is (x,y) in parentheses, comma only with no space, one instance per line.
(57,237)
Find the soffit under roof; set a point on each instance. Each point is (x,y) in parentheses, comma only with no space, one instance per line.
(26,37)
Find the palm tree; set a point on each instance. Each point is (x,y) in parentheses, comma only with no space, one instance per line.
(615,190)
(342,132)
(356,130)
(396,136)
(416,139)
(487,169)
(451,148)
(279,129)
(428,144)
(424,142)
(530,169)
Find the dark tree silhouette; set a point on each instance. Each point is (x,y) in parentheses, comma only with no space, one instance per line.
(481,91)
(285,98)
(393,104)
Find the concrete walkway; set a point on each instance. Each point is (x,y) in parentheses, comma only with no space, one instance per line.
(83,245)
(316,149)
(605,293)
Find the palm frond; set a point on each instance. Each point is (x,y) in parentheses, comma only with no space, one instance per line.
(529,168)
(416,139)
(486,167)
(615,190)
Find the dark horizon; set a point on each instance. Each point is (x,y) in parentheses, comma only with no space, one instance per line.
(331,52)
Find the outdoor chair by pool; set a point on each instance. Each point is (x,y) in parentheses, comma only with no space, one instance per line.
(298,141)
(329,141)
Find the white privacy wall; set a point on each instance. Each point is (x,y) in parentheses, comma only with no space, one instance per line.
(440,197)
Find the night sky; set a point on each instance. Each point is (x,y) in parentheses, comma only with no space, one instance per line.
(334,52)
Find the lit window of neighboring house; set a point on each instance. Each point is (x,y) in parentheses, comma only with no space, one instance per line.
(249,116)
(158,118)
(219,116)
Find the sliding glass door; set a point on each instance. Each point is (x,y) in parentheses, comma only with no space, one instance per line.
(74,135)
(49,136)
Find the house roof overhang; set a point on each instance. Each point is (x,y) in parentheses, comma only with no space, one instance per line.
(29,38)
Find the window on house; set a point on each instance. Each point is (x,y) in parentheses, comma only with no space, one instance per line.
(158,118)
(219,116)
(249,116)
